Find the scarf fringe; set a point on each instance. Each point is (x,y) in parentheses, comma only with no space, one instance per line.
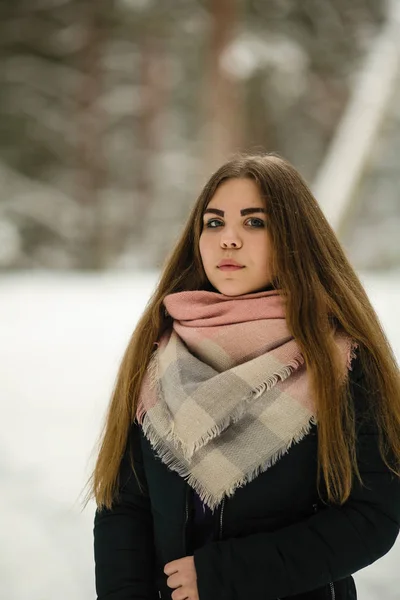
(183,470)
(352,354)
(189,449)
(182,445)
(283,374)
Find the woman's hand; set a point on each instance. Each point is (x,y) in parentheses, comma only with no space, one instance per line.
(182,578)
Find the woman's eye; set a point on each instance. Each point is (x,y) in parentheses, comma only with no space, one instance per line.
(253,222)
(213,223)
(256,222)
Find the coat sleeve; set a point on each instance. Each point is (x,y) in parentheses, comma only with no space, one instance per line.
(330,545)
(123,536)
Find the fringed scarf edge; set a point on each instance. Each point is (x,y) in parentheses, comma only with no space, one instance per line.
(189,449)
(184,471)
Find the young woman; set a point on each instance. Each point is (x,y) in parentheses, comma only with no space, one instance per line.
(252,444)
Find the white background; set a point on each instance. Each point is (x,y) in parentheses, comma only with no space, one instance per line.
(61,340)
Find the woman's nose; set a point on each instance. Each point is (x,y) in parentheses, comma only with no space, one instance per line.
(230,240)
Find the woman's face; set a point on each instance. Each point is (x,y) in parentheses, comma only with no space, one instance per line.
(235,228)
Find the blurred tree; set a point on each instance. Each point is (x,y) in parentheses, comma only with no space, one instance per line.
(222,87)
(35,142)
(114,112)
(154,71)
(91,167)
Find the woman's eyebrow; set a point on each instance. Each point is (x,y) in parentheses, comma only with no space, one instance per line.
(243,212)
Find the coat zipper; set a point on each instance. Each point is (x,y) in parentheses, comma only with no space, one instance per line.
(184,525)
(220,518)
(186,518)
(332,587)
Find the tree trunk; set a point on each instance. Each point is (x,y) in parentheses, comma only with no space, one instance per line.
(153,99)
(224,110)
(91,160)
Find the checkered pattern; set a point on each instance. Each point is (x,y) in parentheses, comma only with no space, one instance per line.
(226,392)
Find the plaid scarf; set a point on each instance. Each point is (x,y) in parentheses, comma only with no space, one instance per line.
(226,392)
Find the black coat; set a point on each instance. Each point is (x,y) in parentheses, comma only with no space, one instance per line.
(273,538)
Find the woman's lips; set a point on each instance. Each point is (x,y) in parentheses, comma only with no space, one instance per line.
(230,268)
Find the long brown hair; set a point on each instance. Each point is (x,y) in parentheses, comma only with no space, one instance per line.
(322,294)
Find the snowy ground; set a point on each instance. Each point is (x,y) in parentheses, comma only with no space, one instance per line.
(61,341)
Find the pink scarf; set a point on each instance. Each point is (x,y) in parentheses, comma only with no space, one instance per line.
(226,392)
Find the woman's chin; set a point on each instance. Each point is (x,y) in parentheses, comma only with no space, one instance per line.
(232,289)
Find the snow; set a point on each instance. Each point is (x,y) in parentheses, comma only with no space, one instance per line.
(62,338)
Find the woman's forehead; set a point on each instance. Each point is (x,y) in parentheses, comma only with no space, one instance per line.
(236,192)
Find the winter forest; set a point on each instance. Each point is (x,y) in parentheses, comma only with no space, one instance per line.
(113,114)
